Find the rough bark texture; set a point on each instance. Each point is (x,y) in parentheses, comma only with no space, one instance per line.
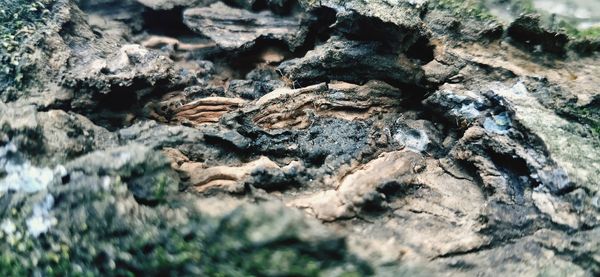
(300,138)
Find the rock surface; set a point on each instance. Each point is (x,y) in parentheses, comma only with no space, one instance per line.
(299,138)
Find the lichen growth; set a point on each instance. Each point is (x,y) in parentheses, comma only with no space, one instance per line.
(162,183)
(464,8)
(19,19)
(588,116)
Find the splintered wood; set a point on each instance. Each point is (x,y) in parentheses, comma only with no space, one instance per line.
(285,107)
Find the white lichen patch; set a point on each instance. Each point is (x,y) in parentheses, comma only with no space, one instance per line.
(26,178)
(413,139)
(8,227)
(469,111)
(22,176)
(105,183)
(498,124)
(470,104)
(41,220)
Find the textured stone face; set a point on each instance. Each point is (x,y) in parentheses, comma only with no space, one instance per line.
(299,138)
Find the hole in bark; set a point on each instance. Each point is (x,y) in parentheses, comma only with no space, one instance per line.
(516,172)
(421,50)
(166,23)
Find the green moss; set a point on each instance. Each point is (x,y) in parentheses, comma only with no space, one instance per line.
(592,33)
(103,232)
(593,121)
(517,7)
(162,182)
(11,266)
(464,8)
(588,116)
(278,261)
(171,251)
